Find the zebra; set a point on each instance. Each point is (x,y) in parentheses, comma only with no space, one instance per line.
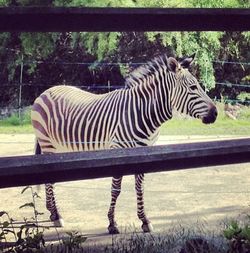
(67,119)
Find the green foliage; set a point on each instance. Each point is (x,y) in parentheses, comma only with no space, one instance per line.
(4,2)
(12,120)
(36,46)
(4,39)
(238,236)
(154,3)
(95,3)
(246,36)
(244,96)
(31,48)
(206,45)
(102,45)
(162,3)
(28,240)
(15,120)
(73,241)
(34,2)
(220,3)
(39,45)
(29,237)
(245,113)
(246,80)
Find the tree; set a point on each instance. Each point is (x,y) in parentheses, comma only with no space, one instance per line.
(42,54)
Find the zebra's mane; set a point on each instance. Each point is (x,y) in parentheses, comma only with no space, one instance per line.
(144,70)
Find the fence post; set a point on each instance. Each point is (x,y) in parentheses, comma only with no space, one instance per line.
(20,88)
(109,85)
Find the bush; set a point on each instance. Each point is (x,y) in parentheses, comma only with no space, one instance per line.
(238,237)
(16,120)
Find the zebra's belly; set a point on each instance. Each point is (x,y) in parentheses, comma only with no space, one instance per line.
(134,141)
(78,145)
(66,139)
(73,145)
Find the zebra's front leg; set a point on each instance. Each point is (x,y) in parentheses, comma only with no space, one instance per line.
(115,192)
(52,207)
(146,224)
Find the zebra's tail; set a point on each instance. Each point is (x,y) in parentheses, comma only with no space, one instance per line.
(38,150)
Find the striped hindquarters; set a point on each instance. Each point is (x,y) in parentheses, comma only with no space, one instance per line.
(68,119)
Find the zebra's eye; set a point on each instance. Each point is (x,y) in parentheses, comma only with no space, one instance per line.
(193,87)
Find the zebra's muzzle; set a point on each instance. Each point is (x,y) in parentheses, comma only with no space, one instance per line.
(211,116)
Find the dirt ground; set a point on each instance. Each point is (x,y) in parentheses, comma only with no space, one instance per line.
(207,196)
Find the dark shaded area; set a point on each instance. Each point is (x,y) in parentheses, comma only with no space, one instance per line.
(33,19)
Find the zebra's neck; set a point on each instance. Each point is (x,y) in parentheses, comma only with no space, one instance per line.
(152,97)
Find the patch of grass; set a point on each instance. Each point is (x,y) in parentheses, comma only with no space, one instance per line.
(10,129)
(176,240)
(245,114)
(17,120)
(182,241)
(244,96)
(183,125)
(13,120)
(195,127)
(14,124)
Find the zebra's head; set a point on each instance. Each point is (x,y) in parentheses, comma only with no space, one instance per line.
(188,97)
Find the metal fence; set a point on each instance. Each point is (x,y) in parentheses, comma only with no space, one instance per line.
(22,86)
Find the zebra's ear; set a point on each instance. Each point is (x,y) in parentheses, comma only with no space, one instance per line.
(173,64)
(187,61)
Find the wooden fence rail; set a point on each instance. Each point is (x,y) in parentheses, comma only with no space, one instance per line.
(44,19)
(28,170)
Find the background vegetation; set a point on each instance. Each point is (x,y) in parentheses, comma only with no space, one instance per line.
(40,60)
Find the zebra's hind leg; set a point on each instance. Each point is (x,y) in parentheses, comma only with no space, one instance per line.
(115,192)
(52,207)
(146,224)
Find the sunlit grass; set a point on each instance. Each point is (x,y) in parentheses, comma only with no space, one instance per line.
(21,129)
(182,125)
(196,127)
(16,124)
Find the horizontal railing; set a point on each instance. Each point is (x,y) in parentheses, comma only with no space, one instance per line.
(44,19)
(29,170)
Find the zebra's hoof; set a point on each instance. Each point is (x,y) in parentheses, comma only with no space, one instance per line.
(147,227)
(57,220)
(113,230)
(59,223)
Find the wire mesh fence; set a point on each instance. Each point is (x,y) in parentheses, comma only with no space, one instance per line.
(23,87)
